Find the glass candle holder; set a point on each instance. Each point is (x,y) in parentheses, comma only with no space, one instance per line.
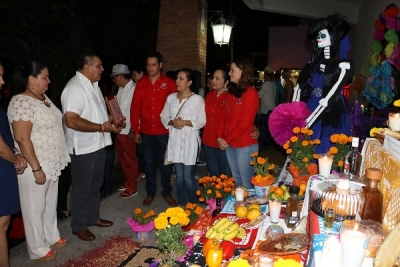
(394,121)
(325,164)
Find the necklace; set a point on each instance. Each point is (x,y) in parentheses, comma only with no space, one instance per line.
(45,101)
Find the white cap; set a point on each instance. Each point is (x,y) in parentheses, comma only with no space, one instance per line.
(120,69)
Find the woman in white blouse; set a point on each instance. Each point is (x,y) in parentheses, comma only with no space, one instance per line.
(184,115)
(37,128)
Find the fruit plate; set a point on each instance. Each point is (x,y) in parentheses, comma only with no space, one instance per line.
(285,244)
(255,223)
(261,200)
(246,242)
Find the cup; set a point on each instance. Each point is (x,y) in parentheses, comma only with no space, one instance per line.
(265,260)
(274,206)
(329,218)
(239,194)
(325,164)
(354,240)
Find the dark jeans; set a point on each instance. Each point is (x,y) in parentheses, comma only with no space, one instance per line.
(63,188)
(186,184)
(87,175)
(217,162)
(265,134)
(108,169)
(154,147)
(139,153)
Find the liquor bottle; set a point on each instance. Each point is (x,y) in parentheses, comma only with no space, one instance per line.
(371,199)
(352,161)
(217,209)
(292,215)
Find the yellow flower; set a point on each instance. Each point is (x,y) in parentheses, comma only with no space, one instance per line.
(376,130)
(397,103)
(287,263)
(160,223)
(174,220)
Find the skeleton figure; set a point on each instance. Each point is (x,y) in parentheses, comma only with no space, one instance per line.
(322,79)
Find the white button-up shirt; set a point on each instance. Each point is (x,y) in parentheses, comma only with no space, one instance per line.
(124,97)
(85,99)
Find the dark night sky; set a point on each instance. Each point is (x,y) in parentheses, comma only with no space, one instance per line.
(250,33)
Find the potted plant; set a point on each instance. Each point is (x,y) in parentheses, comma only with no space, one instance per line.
(341,145)
(263,174)
(142,223)
(169,235)
(301,150)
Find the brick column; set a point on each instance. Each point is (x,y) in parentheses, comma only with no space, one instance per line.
(180,39)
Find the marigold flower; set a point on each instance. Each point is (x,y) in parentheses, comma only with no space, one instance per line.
(251,163)
(271,167)
(333,150)
(303,130)
(396,103)
(315,156)
(293,139)
(261,160)
(285,146)
(296,130)
(317,141)
(288,151)
(334,138)
(309,132)
(340,163)
(255,154)
(304,143)
(305,159)
(138,211)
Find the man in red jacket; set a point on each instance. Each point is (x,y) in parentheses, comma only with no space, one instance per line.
(148,101)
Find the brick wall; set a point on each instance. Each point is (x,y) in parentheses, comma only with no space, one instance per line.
(180,40)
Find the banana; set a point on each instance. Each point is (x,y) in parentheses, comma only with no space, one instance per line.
(220,222)
(225,225)
(231,235)
(209,232)
(231,228)
(212,235)
(242,232)
(220,236)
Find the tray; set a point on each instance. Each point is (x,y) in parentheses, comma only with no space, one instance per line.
(297,241)
(255,223)
(261,200)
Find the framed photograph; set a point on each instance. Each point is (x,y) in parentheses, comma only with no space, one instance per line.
(115,110)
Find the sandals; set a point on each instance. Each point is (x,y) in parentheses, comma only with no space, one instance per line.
(60,243)
(51,255)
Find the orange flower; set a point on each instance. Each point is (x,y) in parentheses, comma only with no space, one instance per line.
(310,132)
(304,143)
(251,162)
(315,156)
(296,130)
(303,130)
(261,160)
(340,163)
(317,141)
(334,138)
(305,159)
(333,150)
(285,146)
(288,151)
(255,154)
(293,139)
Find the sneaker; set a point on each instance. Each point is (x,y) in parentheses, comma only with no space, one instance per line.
(200,163)
(141,176)
(122,187)
(128,193)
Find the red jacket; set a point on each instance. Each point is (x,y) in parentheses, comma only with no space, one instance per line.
(239,119)
(148,102)
(215,117)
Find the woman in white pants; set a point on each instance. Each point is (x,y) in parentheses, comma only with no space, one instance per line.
(38,132)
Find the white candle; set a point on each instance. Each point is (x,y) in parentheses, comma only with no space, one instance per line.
(239,194)
(325,164)
(362,108)
(353,243)
(265,261)
(274,206)
(394,121)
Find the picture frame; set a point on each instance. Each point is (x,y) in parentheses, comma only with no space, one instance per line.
(115,110)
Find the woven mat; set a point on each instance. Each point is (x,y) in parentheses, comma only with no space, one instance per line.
(143,257)
(117,251)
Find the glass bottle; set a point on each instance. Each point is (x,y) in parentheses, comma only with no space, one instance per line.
(352,161)
(217,209)
(371,198)
(292,215)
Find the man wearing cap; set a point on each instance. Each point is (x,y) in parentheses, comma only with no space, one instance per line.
(148,101)
(87,132)
(125,145)
(267,96)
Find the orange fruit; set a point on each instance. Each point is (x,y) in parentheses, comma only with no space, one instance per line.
(246,193)
(272,188)
(241,211)
(278,191)
(303,187)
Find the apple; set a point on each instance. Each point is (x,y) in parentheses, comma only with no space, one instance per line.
(286,196)
(273,196)
(284,187)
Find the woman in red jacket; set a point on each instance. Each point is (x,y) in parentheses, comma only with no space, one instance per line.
(240,110)
(217,163)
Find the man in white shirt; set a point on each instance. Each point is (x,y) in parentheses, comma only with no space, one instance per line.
(125,141)
(87,132)
(267,95)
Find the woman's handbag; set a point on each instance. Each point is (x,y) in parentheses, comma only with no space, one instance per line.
(166,161)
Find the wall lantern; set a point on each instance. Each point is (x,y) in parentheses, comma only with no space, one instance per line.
(221,31)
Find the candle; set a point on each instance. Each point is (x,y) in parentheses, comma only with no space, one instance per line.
(239,194)
(325,164)
(265,260)
(353,241)
(394,121)
(274,206)
(362,108)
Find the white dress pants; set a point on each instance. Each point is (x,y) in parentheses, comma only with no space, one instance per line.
(38,206)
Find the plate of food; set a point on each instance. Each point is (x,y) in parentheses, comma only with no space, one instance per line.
(285,244)
(261,200)
(255,223)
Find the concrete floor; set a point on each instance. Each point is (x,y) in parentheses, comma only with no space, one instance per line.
(118,210)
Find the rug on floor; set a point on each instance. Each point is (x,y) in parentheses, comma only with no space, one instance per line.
(115,252)
(143,257)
